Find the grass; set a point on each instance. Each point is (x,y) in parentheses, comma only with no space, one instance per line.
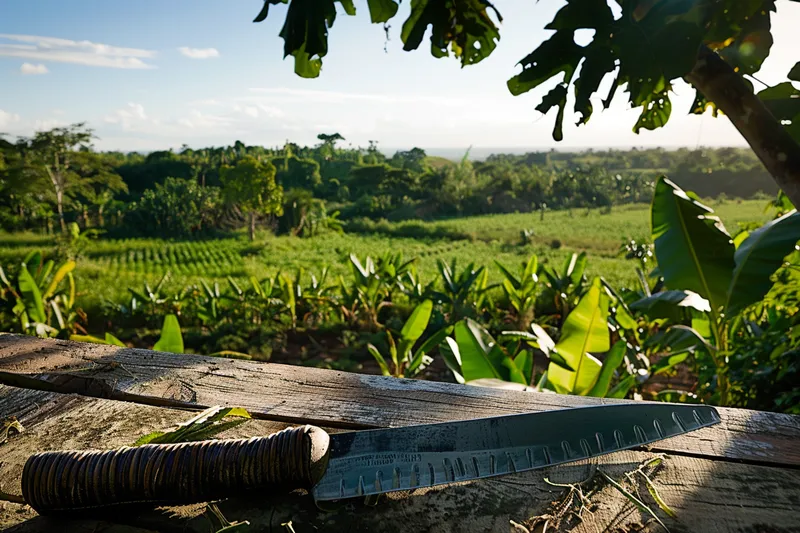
(111,266)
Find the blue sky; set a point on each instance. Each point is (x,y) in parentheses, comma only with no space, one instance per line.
(154,74)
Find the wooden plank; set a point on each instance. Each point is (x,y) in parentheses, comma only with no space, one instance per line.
(339,399)
(706,495)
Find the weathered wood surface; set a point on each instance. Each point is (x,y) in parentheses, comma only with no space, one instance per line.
(339,399)
(741,475)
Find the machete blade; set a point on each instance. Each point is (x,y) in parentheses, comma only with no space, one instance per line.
(383,460)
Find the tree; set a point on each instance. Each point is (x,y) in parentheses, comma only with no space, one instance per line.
(329,141)
(176,208)
(62,157)
(52,152)
(330,138)
(644,47)
(251,185)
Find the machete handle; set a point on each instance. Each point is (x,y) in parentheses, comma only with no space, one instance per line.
(180,473)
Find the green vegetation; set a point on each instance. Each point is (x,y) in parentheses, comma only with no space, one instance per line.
(108,266)
(505,272)
(531,316)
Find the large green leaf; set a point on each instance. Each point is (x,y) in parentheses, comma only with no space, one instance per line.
(417,322)
(430,343)
(524,361)
(60,274)
(585,330)
(693,249)
(31,296)
(171,339)
(558,54)
(611,362)
(379,359)
(463,28)
(669,304)
(381,10)
(477,358)
(757,259)
(452,357)
(538,339)
(783,101)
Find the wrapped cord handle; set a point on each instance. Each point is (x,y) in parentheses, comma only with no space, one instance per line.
(180,473)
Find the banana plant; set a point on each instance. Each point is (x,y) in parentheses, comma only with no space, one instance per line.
(584,335)
(521,291)
(371,286)
(316,300)
(264,300)
(152,297)
(462,292)
(697,255)
(411,285)
(564,288)
(209,308)
(476,358)
(39,298)
(407,362)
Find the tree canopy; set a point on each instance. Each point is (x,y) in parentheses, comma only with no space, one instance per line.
(642,45)
(250,184)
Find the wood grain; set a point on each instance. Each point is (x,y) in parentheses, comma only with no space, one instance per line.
(338,399)
(707,495)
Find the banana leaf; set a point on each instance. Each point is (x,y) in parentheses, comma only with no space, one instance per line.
(584,331)
(757,259)
(171,339)
(693,249)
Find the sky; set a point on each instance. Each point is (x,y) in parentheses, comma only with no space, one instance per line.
(151,75)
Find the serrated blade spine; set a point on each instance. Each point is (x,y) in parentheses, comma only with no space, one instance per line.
(436,468)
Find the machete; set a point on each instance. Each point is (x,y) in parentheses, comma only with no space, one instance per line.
(350,464)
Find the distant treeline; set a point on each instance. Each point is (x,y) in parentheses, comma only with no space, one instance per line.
(174,194)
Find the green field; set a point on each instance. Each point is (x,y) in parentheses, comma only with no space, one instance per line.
(109,267)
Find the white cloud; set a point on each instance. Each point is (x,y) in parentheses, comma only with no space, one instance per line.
(7,119)
(129,117)
(30,68)
(77,52)
(199,53)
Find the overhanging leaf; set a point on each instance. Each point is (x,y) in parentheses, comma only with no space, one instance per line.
(794,74)
(757,259)
(599,62)
(262,15)
(579,14)
(656,112)
(558,54)
(462,27)
(692,247)
(557,97)
(381,10)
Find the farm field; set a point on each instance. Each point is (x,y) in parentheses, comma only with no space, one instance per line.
(108,267)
